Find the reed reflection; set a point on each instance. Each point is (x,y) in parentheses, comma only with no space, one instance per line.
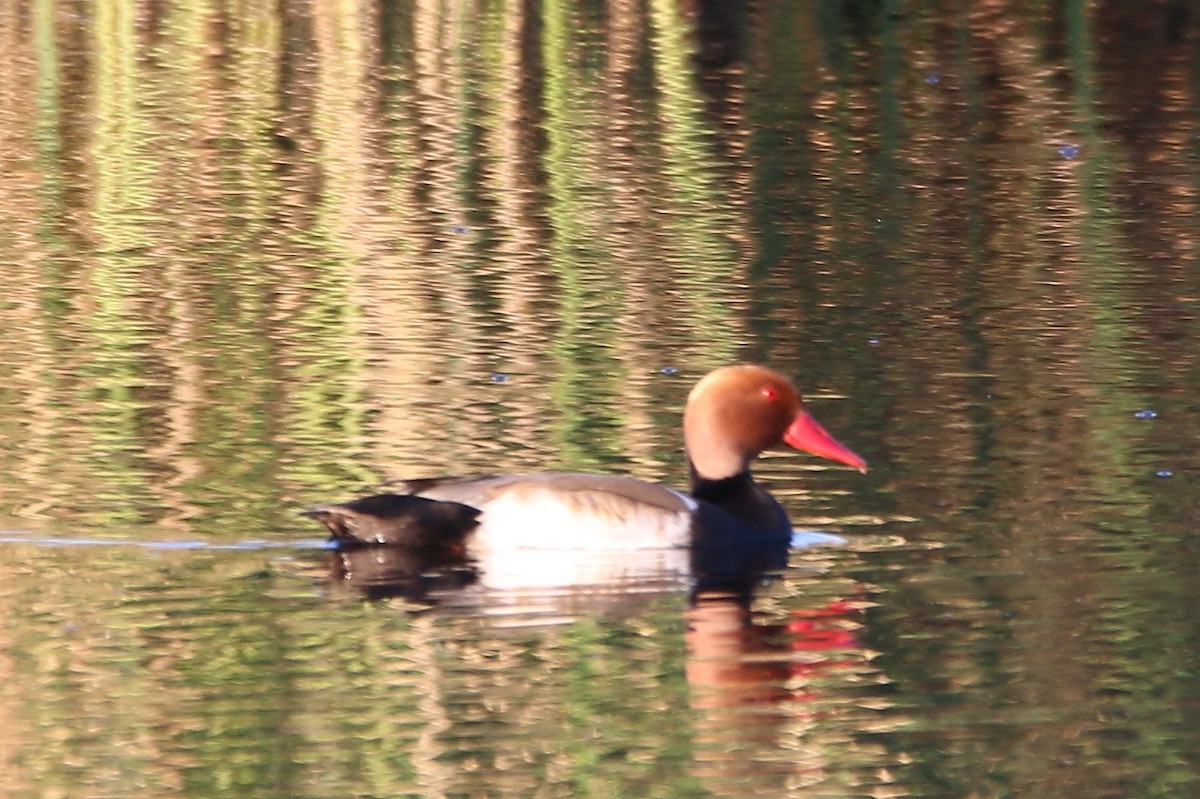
(757,684)
(256,256)
(286,250)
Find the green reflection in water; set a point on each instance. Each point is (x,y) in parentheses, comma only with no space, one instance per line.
(51,146)
(591,291)
(325,416)
(207,672)
(642,224)
(779,216)
(215,343)
(1151,653)
(1111,340)
(118,367)
(698,221)
(210,357)
(246,685)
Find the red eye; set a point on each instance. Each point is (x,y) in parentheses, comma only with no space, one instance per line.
(770,393)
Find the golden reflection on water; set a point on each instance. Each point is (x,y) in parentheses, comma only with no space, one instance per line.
(280,227)
(198,670)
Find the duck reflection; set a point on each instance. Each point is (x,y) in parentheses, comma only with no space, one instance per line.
(737,661)
(723,642)
(750,679)
(383,572)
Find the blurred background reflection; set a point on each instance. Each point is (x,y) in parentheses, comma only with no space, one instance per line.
(256,255)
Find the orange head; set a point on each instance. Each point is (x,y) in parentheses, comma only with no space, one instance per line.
(736,412)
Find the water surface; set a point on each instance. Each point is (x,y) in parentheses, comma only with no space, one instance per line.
(261,256)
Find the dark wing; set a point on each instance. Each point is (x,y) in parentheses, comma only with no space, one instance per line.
(399,519)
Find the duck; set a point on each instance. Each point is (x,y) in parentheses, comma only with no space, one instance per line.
(416,523)
(732,415)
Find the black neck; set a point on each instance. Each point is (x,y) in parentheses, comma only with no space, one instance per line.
(720,491)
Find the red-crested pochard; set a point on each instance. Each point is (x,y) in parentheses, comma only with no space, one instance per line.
(732,415)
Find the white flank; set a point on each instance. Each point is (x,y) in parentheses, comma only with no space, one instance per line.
(540,518)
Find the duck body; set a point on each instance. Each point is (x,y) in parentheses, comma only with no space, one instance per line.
(401,520)
(575,510)
(567,510)
(732,415)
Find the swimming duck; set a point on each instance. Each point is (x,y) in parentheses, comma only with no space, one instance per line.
(732,415)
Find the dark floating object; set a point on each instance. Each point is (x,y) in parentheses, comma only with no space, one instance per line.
(1068,151)
(459,229)
(285,142)
(872,341)
(499,377)
(933,78)
(1164,473)
(1146,414)
(668,370)
(400,519)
